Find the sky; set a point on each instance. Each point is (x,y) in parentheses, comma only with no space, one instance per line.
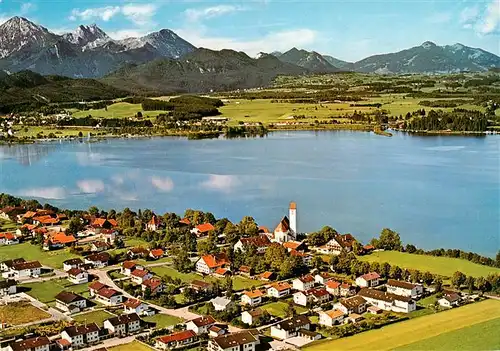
(346,29)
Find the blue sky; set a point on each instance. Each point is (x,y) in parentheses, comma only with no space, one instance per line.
(349,30)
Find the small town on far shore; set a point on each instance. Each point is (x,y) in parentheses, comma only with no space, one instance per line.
(96,280)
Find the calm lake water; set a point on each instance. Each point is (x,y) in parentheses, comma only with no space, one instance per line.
(435,191)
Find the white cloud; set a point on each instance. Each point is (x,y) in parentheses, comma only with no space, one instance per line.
(103,13)
(90,186)
(127,33)
(222,183)
(140,14)
(279,40)
(483,21)
(195,15)
(162,184)
(53,193)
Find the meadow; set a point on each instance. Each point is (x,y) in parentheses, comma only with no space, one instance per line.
(97,317)
(277,309)
(46,291)
(163,320)
(133,346)
(16,313)
(30,252)
(117,110)
(417,330)
(444,266)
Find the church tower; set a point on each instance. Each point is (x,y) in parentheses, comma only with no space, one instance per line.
(293,218)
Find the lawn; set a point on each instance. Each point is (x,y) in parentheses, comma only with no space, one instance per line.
(16,313)
(7,225)
(415,330)
(133,346)
(444,266)
(46,291)
(30,252)
(278,308)
(97,317)
(163,320)
(118,110)
(480,336)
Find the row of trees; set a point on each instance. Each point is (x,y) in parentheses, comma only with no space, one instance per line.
(457,120)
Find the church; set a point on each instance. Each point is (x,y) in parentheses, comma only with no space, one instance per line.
(286,230)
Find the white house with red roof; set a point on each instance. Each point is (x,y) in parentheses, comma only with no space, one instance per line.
(140,275)
(129,266)
(303,283)
(8,239)
(78,276)
(154,223)
(136,306)
(109,296)
(202,229)
(176,340)
(279,290)
(208,264)
(368,280)
(200,325)
(311,296)
(252,297)
(154,284)
(260,242)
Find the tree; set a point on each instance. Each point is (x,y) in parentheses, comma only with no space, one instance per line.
(275,255)
(482,284)
(93,211)
(317,262)
(410,248)
(395,272)
(182,262)
(469,283)
(385,269)
(388,240)
(438,285)
(231,233)
(458,279)
(290,310)
(189,294)
(248,227)
(498,258)
(147,293)
(228,285)
(321,237)
(75,225)
(357,248)
(428,278)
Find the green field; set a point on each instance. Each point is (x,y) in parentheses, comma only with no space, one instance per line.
(16,313)
(444,266)
(133,346)
(480,336)
(415,330)
(278,308)
(30,252)
(163,320)
(32,131)
(47,290)
(7,225)
(97,317)
(118,110)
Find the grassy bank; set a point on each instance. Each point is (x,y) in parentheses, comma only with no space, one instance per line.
(444,266)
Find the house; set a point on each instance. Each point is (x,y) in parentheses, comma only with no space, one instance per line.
(309,335)
(58,240)
(290,327)
(267,276)
(241,341)
(246,271)
(98,260)
(202,229)
(7,287)
(282,232)
(402,288)
(125,324)
(252,298)
(40,343)
(185,221)
(99,246)
(156,254)
(154,223)
(303,283)
(250,317)
(154,285)
(311,296)
(388,301)
(81,335)
(294,246)
(10,212)
(208,264)
(333,287)
(72,263)
(221,303)
(217,330)
(200,325)
(7,265)
(331,318)
(450,299)
(279,290)
(103,223)
(136,306)
(368,280)
(129,266)
(176,340)
(354,304)
(26,269)
(340,243)
(222,272)
(260,242)
(200,286)
(78,276)
(306,257)
(347,290)
(140,275)
(374,310)
(138,252)
(68,302)
(322,278)
(354,318)
(8,239)
(94,287)
(109,296)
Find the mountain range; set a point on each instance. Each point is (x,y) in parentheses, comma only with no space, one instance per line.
(164,61)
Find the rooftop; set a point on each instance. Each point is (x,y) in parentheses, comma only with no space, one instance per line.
(234,340)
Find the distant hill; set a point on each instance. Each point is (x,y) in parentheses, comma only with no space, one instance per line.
(307,59)
(340,64)
(430,58)
(27,87)
(202,70)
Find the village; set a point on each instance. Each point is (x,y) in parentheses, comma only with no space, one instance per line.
(104,289)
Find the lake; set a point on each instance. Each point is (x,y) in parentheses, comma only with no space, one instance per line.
(439,191)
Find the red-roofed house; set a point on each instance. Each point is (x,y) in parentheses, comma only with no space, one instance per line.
(208,264)
(185,221)
(333,287)
(176,340)
(368,280)
(156,254)
(154,284)
(202,229)
(109,296)
(140,275)
(261,243)
(136,306)
(311,296)
(154,223)
(8,239)
(303,283)
(252,298)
